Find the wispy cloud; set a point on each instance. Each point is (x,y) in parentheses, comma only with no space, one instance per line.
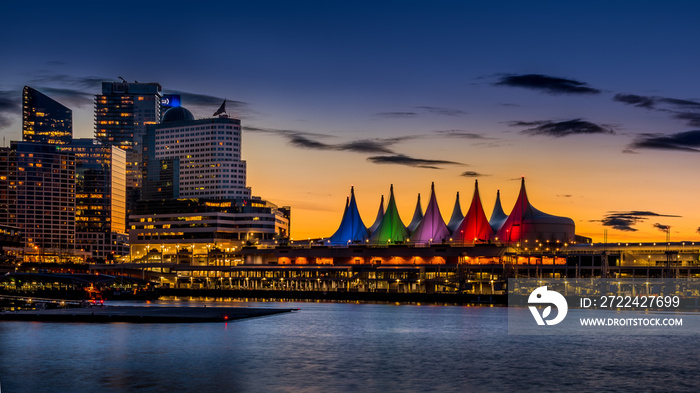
(461,134)
(85,82)
(682,141)
(69,97)
(188,98)
(626,220)
(473,174)
(562,128)
(662,227)
(520,123)
(307,143)
(442,111)
(692,119)
(564,195)
(309,140)
(367,146)
(395,115)
(635,100)
(681,109)
(10,106)
(400,159)
(546,83)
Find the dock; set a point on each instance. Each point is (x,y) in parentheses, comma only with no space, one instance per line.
(143,314)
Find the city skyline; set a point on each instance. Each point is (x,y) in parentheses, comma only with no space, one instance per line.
(602,119)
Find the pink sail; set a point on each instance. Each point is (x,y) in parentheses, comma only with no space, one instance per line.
(432,228)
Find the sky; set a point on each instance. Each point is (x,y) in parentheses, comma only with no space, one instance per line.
(595,103)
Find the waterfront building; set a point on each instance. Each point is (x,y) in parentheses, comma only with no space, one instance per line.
(100,195)
(8,186)
(196,206)
(44,119)
(527,224)
(202,230)
(207,153)
(122,113)
(43,185)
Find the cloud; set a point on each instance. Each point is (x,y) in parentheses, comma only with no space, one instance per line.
(401,159)
(212,102)
(86,82)
(10,106)
(692,119)
(437,110)
(625,221)
(635,100)
(681,109)
(395,115)
(698,230)
(547,84)
(519,123)
(309,140)
(69,97)
(682,141)
(367,146)
(565,195)
(680,103)
(472,174)
(662,227)
(306,143)
(564,128)
(461,134)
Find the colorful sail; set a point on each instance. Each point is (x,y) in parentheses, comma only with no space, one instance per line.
(525,223)
(456,217)
(351,229)
(432,228)
(498,216)
(380,216)
(391,229)
(474,227)
(417,217)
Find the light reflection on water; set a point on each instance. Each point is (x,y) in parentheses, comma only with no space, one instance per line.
(329,347)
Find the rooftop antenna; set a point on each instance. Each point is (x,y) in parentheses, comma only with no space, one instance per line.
(123,80)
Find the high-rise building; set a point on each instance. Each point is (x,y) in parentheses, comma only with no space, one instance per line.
(100,198)
(8,186)
(44,188)
(122,113)
(45,120)
(208,151)
(196,204)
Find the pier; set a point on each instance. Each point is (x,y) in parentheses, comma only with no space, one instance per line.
(142,314)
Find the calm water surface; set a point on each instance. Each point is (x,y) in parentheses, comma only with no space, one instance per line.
(338,347)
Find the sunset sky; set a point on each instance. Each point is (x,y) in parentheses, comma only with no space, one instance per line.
(596,103)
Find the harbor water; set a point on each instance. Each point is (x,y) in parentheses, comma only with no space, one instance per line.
(338,347)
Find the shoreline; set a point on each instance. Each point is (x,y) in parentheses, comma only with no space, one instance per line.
(383,297)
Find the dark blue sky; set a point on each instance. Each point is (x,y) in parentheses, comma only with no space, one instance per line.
(593,101)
